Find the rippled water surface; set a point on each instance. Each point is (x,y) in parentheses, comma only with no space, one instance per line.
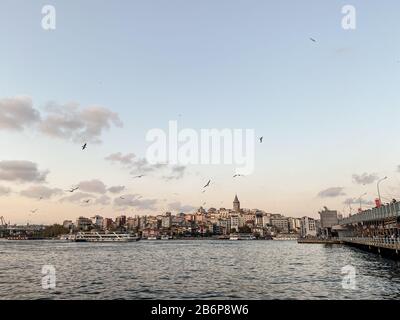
(193,270)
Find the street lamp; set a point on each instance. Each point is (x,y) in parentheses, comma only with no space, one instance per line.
(379,191)
(360,198)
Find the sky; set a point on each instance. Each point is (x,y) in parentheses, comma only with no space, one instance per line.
(111,71)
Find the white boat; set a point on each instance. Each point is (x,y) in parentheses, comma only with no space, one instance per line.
(104,237)
(166,237)
(151,238)
(285,238)
(235,237)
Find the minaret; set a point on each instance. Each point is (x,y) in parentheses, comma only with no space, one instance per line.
(236,204)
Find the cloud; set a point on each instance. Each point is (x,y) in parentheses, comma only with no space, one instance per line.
(365,178)
(67,121)
(178,207)
(332,192)
(116,189)
(134,200)
(142,166)
(103,200)
(177,172)
(94,186)
(70,122)
(350,201)
(40,192)
(77,197)
(21,171)
(4,191)
(17,113)
(119,157)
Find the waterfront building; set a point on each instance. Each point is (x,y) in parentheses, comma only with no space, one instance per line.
(266,219)
(329,218)
(259,219)
(281,224)
(166,221)
(294,224)
(68,224)
(83,224)
(97,221)
(107,224)
(308,227)
(225,225)
(235,223)
(120,221)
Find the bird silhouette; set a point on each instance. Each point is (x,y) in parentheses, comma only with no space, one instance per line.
(139,176)
(122,198)
(87,201)
(84,146)
(261,139)
(207,184)
(313,40)
(237,175)
(34,211)
(73,189)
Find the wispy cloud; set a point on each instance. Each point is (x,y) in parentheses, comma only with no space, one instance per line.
(332,192)
(179,207)
(136,201)
(365,178)
(350,201)
(4,191)
(116,189)
(40,192)
(77,197)
(67,121)
(120,158)
(21,171)
(177,172)
(17,113)
(103,200)
(93,186)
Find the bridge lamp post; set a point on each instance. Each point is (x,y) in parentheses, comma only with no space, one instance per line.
(378,185)
(360,198)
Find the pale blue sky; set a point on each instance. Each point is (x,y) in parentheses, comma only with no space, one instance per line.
(327,110)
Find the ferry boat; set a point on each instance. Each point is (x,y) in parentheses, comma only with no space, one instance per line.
(151,238)
(103,237)
(285,238)
(235,237)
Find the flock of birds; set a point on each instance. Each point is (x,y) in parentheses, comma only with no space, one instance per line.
(84,147)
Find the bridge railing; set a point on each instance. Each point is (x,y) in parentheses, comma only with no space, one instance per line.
(374,241)
(391,210)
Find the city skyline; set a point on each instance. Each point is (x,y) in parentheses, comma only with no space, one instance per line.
(238,66)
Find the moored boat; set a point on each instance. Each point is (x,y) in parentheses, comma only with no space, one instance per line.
(103,237)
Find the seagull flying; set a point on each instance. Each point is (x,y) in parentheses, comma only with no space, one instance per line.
(34,211)
(261,139)
(313,40)
(139,176)
(73,189)
(207,184)
(84,146)
(122,198)
(237,175)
